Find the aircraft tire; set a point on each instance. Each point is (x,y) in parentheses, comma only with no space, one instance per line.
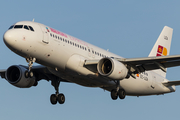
(26,74)
(53,99)
(31,74)
(114,94)
(61,98)
(122,94)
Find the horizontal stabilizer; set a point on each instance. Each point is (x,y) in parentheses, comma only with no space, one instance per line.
(171,83)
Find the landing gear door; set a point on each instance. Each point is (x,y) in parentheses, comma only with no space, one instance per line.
(45,37)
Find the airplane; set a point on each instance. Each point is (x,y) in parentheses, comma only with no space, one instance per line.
(64,58)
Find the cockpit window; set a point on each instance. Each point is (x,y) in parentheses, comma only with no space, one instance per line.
(21,27)
(11,27)
(31,28)
(26,27)
(18,26)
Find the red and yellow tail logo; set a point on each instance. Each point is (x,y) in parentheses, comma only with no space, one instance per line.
(161,51)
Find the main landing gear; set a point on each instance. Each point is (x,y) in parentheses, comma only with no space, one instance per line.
(121,93)
(57,97)
(118,92)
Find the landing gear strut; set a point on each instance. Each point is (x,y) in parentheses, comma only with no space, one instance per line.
(29,73)
(118,92)
(57,97)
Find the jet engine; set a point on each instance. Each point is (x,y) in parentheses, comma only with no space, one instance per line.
(16,76)
(112,69)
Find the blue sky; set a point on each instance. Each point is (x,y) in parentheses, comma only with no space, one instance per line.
(126,27)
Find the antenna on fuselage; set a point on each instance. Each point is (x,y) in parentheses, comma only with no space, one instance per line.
(33,20)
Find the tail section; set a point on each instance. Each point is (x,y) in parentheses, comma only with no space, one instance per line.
(162,46)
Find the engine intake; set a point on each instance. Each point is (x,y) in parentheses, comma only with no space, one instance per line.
(15,75)
(112,68)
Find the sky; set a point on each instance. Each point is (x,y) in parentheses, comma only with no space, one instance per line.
(128,28)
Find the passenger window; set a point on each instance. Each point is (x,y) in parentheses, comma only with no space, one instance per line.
(26,27)
(31,28)
(11,27)
(18,26)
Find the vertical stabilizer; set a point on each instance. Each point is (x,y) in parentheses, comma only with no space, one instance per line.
(162,46)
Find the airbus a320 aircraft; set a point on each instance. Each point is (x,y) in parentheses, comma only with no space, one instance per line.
(64,58)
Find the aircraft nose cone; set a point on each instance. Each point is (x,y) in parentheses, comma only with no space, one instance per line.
(8,38)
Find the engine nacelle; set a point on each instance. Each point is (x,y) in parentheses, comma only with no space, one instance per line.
(16,76)
(112,68)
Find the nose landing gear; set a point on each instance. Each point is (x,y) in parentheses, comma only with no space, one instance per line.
(29,73)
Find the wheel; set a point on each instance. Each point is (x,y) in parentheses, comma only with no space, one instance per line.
(26,74)
(122,94)
(31,74)
(61,98)
(114,95)
(53,99)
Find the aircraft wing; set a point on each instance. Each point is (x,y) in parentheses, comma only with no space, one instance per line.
(152,63)
(171,83)
(40,72)
(2,73)
(147,63)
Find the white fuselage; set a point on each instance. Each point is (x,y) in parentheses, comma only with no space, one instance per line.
(64,56)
